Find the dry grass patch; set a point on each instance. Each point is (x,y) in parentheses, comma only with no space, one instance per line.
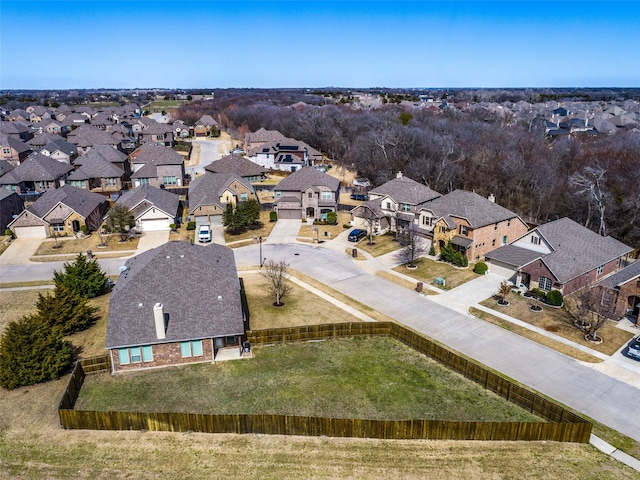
(182,235)
(16,304)
(301,307)
(382,244)
(559,322)
(263,231)
(73,246)
(403,282)
(306,229)
(428,270)
(359,256)
(536,337)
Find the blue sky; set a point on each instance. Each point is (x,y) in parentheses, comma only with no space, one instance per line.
(217,44)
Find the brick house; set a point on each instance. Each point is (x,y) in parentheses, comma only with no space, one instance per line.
(154,324)
(473,224)
(157,165)
(210,193)
(307,193)
(621,292)
(204,126)
(62,211)
(561,255)
(240,166)
(37,174)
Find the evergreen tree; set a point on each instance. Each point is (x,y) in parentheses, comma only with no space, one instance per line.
(83,277)
(120,220)
(31,352)
(66,311)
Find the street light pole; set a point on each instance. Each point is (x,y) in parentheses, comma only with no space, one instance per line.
(260,242)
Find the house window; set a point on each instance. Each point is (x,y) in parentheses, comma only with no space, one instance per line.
(508,223)
(191,349)
(147,353)
(388,206)
(243,197)
(123,356)
(600,270)
(6,151)
(231,339)
(169,180)
(405,207)
(493,242)
(544,283)
(441,229)
(535,240)
(143,181)
(77,183)
(463,230)
(426,220)
(57,227)
(278,193)
(135,354)
(326,195)
(504,240)
(110,181)
(309,195)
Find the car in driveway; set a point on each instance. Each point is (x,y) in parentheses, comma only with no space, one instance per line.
(356,235)
(634,349)
(363,197)
(204,233)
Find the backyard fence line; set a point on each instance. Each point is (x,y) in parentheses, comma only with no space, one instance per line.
(562,425)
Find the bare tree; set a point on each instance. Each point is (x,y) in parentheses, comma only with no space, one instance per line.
(416,246)
(503,291)
(370,217)
(276,274)
(588,310)
(590,182)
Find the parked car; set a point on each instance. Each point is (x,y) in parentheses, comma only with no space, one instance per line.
(204,233)
(360,196)
(356,235)
(634,348)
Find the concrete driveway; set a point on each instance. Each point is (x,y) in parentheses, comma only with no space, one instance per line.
(20,251)
(285,231)
(150,240)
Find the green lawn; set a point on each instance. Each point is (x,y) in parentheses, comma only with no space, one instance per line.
(428,270)
(373,378)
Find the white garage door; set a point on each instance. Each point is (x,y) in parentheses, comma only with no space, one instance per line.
(38,231)
(290,214)
(154,225)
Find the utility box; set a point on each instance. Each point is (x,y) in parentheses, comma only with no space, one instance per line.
(354,252)
(419,287)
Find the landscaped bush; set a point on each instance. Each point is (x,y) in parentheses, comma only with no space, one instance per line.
(83,277)
(460,260)
(432,251)
(273,216)
(84,229)
(554,298)
(480,268)
(191,225)
(447,253)
(346,225)
(173,226)
(540,294)
(8,232)
(332,218)
(66,311)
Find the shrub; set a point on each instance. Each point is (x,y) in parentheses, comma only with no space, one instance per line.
(191,225)
(8,232)
(432,251)
(66,311)
(538,293)
(83,277)
(332,218)
(83,229)
(273,216)
(346,225)
(447,253)
(304,220)
(460,260)
(173,226)
(31,352)
(553,297)
(480,268)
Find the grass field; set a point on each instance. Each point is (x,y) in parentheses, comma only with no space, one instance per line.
(370,378)
(81,245)
(33,446)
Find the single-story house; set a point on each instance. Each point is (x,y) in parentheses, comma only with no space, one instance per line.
(240,166)
(154,324)
(210,193)
(37,174)
(152,208)
(62,211)
(561,255)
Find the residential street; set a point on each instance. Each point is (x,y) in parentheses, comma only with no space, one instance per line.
(597,395)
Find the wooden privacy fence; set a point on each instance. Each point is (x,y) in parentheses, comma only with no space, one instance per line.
(562,425)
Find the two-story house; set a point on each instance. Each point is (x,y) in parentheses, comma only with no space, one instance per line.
(157,165)
(209,195)
(307,193)
(37,174)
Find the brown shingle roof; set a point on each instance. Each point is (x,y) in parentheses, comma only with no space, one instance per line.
(307,177)
(406,190)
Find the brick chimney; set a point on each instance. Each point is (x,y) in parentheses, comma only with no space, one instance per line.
(158,317)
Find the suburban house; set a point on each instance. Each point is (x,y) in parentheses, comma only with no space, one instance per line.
(60,212)
(396,202)
(158,133)
(307,193)
(620,293)
(240,166)
(17,130)
(38,173)
(13,150)
(152,208)
(254,140)
(210,193)
(561,255)
(94,172)
(10,206)
(86,136)
(204,126)
(180,130)
(154,324)
(157,165)
(473,224)
(54,146)
(287,155)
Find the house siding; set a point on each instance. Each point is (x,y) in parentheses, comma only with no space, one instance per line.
(628,289)
(165,354)
(538,269)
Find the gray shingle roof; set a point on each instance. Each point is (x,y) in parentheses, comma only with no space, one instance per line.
(236,164)
(206,305)
(307,177)
(88,136)
(82,201)
(8,141)
(207,121)
(36,167)
(105,152)
(628,273)
(514,256)
(577,249)
(207,188)
(477,210)
(95,166)
(164,200)
(157,154)
(405,190)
